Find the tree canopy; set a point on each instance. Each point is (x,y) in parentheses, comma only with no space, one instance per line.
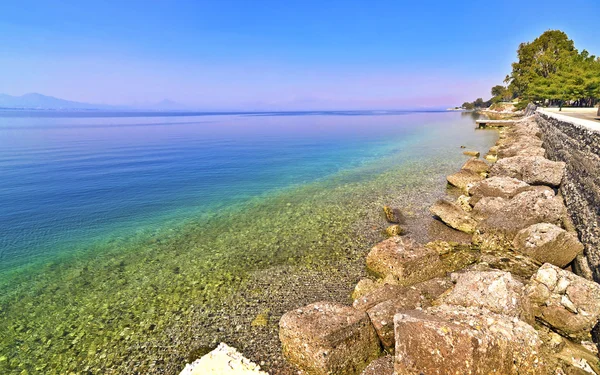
(551,71)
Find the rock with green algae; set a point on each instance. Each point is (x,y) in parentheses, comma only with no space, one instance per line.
(224,360)
(394,230)
(471,153)
(393,215)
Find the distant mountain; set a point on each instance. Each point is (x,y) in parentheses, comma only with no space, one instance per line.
(39,101)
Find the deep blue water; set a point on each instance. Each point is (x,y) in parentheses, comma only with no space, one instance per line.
(68,179)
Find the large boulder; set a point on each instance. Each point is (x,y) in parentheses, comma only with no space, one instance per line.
(525,209)
(548,243)
(460,340)
(454,216)
(487,206)
(385,303)
(497,291)
(413,296)
(476,165)
(520,149)
(464,178)
(327,338)
(404,261)
(519,265)
(565,301)
(502,187)
(534,170)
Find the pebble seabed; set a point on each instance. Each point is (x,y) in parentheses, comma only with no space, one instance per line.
(148,305)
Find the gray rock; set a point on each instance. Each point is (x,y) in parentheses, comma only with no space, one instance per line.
(502,187)
(520,149)
(409,298)
(565,301)
(405,261)
(459,340)
(496,291)
(464,178)
(487,206)
(534,170)
(327,338)
(420,294)
(523,210)
(548,243)
(454,216)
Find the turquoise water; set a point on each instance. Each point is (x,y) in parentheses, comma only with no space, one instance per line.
(70,180)
(128,242)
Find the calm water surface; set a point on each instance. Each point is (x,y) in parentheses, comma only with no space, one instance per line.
(113,225)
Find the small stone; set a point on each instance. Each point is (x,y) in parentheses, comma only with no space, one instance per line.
(393,215)
(472,153)
(394,230)
(566,302)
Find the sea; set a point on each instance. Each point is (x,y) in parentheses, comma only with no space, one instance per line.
(134,242)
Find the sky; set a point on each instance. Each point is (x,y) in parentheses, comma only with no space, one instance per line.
(275,54)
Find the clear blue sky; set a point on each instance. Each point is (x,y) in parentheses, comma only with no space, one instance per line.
(274,54)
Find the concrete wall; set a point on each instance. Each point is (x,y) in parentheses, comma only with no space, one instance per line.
(577,143)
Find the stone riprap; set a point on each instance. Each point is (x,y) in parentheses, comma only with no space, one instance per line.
(576,142)
(495,305)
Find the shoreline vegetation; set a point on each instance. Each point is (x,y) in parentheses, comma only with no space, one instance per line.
(549,71)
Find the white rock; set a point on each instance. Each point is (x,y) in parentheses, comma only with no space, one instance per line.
(224,360)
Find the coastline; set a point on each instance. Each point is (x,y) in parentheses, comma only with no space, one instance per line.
(442,295)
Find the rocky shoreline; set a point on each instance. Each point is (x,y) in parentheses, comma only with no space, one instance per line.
(508,302)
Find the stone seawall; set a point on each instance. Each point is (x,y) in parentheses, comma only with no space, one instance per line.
(577,143)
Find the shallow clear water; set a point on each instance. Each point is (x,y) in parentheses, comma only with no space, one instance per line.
(110,224)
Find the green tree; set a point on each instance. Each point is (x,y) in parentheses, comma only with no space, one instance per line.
(498,91)
(467,105)
(539,60)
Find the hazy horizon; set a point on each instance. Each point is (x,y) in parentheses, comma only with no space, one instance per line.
(236,55)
